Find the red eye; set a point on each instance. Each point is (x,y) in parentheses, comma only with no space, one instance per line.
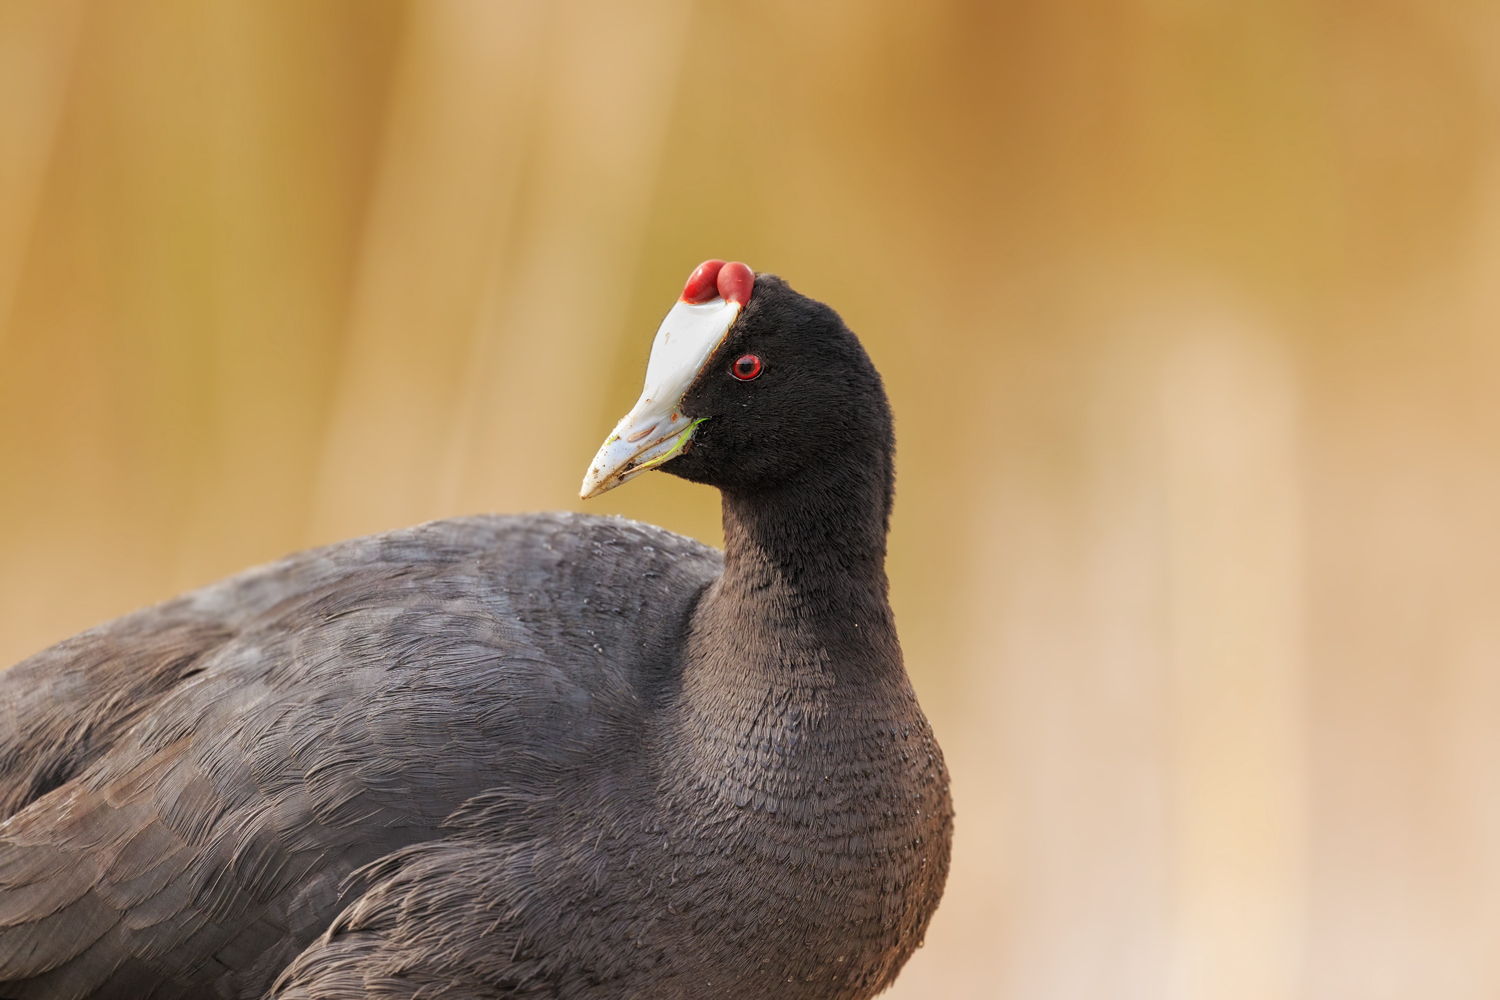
(746,368)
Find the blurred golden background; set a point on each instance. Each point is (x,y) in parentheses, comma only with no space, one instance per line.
(1189,311)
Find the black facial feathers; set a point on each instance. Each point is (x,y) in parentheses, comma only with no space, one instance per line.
(816,415)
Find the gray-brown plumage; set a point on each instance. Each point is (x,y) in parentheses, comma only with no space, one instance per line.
(552,756)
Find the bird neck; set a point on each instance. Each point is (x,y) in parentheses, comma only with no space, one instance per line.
(804,571)
(826,540)
(792,655)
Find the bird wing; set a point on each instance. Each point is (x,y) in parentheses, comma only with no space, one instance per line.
(471,914)
(64,707)
(350,704)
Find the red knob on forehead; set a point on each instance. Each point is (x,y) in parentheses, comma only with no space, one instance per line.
(736,281)
(715,279)
(702,284)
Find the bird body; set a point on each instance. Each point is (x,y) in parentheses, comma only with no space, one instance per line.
(551,755)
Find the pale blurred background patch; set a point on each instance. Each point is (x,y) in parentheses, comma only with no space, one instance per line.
(1189,311)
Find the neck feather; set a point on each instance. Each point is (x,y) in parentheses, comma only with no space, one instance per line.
(792,646)
(804,574)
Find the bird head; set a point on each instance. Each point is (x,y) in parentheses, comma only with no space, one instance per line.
(750,385)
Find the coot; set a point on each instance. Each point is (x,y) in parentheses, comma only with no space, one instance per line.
(551,755)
